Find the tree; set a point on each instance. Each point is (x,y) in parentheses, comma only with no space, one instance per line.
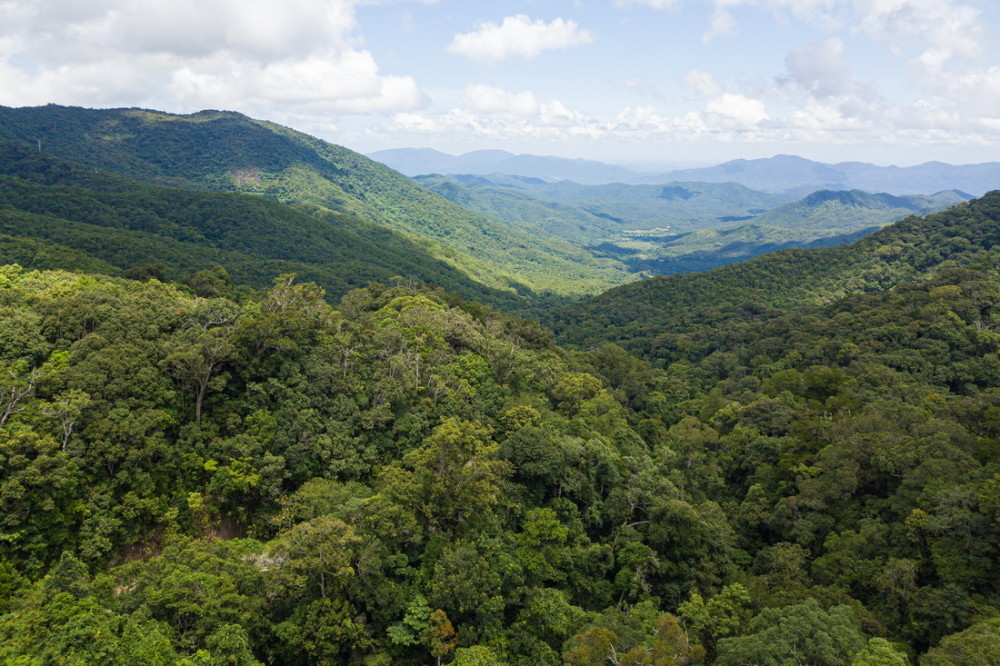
(318,552)
(17,384)
(979,644)
(455,475)
(803,633)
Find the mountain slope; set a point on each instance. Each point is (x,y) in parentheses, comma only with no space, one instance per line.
(637,314)
(225,151)
(597,212)
(57,214)
(855,209)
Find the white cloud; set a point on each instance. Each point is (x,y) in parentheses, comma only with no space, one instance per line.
(642,88)
(743,111)
(821,68)
(518,36)
(942,29)
(486,99)
(703,83)
(254,55)
(722,23)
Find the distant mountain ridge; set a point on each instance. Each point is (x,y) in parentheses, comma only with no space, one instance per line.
(855,209)
(595,212)
(425,161)
(790,174)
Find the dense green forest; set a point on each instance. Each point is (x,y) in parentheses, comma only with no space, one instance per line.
(409,478)
(682,227)
(636,315)
(101,222)
(231,433)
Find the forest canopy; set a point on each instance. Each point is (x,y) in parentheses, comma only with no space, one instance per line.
(406,476)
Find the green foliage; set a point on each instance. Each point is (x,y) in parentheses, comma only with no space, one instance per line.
(979,644)
(228,152)
(407,477)
(665,315)
(802,633)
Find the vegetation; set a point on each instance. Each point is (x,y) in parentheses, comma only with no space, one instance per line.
(635,315)
(681,227)
(66,216)
(408,477)
(223,151)
(802,465)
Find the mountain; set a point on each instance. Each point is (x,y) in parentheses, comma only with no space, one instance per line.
(600,212)
(224,151)
(518,205)
(851,210)
(788,173)
(425,161)
(682,227)
(795,176)
(636,315)
(57,214)
(196,473)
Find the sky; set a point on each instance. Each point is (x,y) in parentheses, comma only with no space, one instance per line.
(638,82)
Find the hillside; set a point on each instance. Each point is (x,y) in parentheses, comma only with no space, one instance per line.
(269,480)
(637,314)
(682,227)
(597,212)
(851,210)
(224,151)
(56,214)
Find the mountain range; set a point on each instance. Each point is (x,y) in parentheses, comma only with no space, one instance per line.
(788,174)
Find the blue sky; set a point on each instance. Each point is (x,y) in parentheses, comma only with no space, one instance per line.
(672,82)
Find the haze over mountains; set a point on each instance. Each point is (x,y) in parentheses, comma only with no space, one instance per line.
(781,173)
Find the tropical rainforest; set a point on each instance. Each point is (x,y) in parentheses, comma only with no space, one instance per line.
(791,460)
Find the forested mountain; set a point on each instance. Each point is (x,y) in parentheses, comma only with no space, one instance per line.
(57,214)
(225,151)
(682,227)
(636,314)
(598,212)
(844,211)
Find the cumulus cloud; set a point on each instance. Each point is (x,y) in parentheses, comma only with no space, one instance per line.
(737,110)
(486,99)
(183,54)
(518,37)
